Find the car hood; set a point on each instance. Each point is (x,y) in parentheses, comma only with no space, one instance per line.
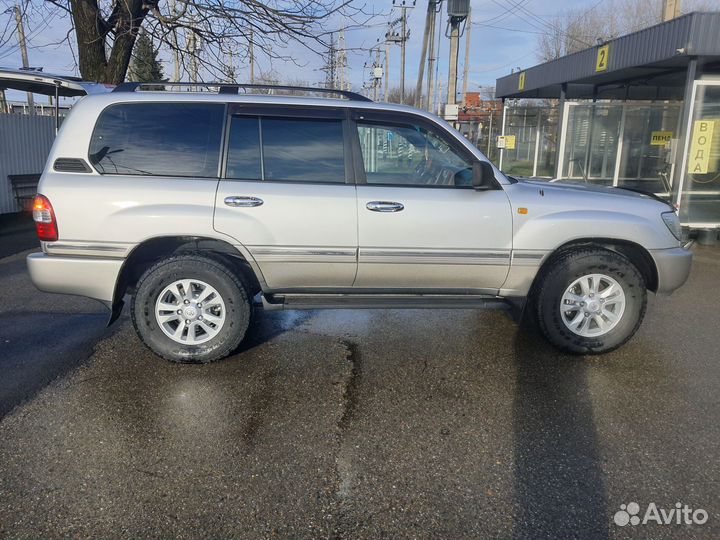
(565,187)
(584,188)
(559,196)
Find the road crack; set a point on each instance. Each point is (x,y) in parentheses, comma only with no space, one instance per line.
(350,392)
(344,472)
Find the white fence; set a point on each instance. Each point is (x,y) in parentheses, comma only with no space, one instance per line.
(25,143)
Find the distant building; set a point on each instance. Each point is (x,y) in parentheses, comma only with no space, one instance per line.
(480,121)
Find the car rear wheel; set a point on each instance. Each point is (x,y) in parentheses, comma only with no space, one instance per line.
(590,301)
(191,309)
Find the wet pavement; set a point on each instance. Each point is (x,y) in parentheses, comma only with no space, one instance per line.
(357,424)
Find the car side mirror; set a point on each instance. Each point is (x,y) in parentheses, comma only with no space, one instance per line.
(483,176)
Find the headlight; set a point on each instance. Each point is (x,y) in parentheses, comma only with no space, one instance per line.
(673,223)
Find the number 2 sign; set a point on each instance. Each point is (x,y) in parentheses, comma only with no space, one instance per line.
(603,56)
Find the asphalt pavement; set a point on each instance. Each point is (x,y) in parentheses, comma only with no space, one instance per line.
(356,424)
(17,233)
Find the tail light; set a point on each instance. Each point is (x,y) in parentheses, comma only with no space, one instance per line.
(44,217)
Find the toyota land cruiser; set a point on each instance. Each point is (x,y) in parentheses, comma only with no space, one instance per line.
(202,204)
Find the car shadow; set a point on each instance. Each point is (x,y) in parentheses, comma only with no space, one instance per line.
(36,348)
(267,325)
(559,485)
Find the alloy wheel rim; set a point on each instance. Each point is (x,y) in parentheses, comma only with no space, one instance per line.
(592,305)
(190,311)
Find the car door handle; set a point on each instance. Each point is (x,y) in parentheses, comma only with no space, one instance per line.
(244,202)
(384,206)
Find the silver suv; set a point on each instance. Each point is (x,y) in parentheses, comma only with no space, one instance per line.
(203,204)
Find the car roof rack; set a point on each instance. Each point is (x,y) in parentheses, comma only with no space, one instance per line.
(234,88)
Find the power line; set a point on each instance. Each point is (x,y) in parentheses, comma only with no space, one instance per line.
(505,14)
(14,49)
(547,28)
(511,63)
(536,32)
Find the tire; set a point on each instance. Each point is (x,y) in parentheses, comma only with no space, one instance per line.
(594,274)
(214,330)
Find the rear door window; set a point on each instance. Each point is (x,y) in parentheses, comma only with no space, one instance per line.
(158,139)
(286,149)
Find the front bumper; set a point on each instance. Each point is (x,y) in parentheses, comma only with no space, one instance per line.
(673,267)
(84,276)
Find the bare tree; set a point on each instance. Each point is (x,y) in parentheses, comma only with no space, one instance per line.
(394,95)
(200,31)
(573,32)
(576,30)
(487,93)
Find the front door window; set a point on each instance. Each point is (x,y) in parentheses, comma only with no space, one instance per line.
(410,155)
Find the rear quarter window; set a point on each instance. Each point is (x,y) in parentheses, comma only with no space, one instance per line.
(158,139)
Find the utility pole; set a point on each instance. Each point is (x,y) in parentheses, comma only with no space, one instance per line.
(343,83)
(453,65)
(330,68)
(192,48)
(492,113)
(466,68)
(432,66)
(402,60)
(175,45)
(402,38)
(440,91)
(230,70)
(387,69)
(427,38)
(24,53)
(376,74)
(671,9)
(252,59)
(457,13)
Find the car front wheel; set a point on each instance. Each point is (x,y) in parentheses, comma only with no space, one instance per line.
(590,301)
(191,309)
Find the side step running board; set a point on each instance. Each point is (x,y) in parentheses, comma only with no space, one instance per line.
(380,301)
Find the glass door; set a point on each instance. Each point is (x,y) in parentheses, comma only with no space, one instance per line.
(699,196)
(592,142)
(646,156)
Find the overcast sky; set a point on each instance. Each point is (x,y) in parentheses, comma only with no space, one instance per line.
(504,36)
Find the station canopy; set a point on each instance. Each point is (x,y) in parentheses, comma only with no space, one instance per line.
(650,64)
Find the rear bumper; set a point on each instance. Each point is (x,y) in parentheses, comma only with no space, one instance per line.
(84,276)
(673,267)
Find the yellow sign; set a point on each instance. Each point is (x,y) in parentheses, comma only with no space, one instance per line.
(506,142)
(660,138)
(521,81)
(603,58)
(701,146)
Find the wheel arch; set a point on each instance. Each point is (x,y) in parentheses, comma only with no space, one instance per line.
(146,253)
(635,253)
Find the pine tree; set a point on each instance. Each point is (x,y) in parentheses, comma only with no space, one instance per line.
(145,66)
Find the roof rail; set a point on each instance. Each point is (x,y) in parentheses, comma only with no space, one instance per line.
(234,88)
